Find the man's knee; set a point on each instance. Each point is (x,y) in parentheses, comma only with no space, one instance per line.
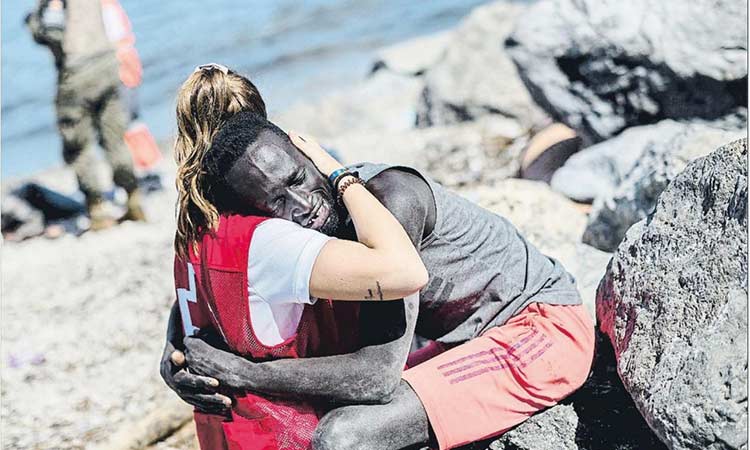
(586,349)
(124,177)
(335,432)
(76,136)
(71,151)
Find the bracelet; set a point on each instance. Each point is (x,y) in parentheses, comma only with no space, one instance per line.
(345,185)
(341,176)
(335,174)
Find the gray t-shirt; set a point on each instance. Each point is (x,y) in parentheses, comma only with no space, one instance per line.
(482,271)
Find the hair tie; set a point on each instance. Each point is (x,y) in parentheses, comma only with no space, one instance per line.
(212,66)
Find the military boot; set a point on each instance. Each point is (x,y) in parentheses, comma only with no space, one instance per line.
(100,218)
(134,209)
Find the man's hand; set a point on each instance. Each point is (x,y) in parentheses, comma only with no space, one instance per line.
(199,391)
(216,364)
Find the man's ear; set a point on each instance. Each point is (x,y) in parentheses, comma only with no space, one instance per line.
(223,198)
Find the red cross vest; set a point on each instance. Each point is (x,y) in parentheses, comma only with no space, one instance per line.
(212,292)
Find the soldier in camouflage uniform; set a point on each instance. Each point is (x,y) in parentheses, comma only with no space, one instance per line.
(87,103)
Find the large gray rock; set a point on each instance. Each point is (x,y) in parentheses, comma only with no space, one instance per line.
(456,155)
(414,56)
(475,77)
(603,65)
(674,305)
(385,102)
(553,429)
(635,197)
(596,171)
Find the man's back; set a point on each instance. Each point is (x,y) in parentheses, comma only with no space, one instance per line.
(84,35)
(482,270)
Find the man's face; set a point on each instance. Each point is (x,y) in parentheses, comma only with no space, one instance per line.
(276,179)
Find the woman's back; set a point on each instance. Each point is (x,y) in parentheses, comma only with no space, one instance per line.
(245,284)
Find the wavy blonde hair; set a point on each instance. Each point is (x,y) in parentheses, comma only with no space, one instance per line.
(207,99)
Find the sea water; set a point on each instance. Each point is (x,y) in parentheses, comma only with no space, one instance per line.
(292,50)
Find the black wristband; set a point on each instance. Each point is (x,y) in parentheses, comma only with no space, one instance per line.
(335,174)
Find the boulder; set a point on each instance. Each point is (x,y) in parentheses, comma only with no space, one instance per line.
(412,57)
(474,76)
(552,429)
(597,170)
(384,102)
(455,155)
(635,197)
(673,303)
(601,66)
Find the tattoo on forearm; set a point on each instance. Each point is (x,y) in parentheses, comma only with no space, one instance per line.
(371,295)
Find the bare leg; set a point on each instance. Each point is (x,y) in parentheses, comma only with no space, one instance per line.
(395,425)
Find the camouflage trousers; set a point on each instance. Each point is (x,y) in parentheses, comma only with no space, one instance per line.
(89,110)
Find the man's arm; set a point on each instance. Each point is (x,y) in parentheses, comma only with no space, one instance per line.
(369,375)
(199,391)
(39,32)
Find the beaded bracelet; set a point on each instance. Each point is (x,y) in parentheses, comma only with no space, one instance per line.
(345,185)
(341,176)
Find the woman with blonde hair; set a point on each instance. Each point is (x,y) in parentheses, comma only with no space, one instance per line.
(206,100)
(255,280)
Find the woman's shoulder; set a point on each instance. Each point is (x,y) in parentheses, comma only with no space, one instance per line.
(273,228)
(280,238)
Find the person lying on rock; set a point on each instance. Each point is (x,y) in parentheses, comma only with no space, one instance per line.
(511,336)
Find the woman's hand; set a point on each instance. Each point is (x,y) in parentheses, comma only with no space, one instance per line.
(326,163)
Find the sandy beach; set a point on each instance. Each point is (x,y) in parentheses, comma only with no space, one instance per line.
(82,329)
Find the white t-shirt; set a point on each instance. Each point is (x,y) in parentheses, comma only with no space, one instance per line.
(280,262)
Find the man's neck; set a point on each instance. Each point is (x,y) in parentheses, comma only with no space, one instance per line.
(346,229)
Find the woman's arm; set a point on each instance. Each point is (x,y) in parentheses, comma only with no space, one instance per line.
(383,265)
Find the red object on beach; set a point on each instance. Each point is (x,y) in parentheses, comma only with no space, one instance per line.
(138,138)
(142,145)
(212,292)
(120,32)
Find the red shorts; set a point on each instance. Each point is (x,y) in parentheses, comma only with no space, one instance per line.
(490,384)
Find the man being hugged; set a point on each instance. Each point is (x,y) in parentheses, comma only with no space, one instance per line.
(511,336)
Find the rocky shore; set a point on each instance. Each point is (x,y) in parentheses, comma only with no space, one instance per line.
(660,256)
